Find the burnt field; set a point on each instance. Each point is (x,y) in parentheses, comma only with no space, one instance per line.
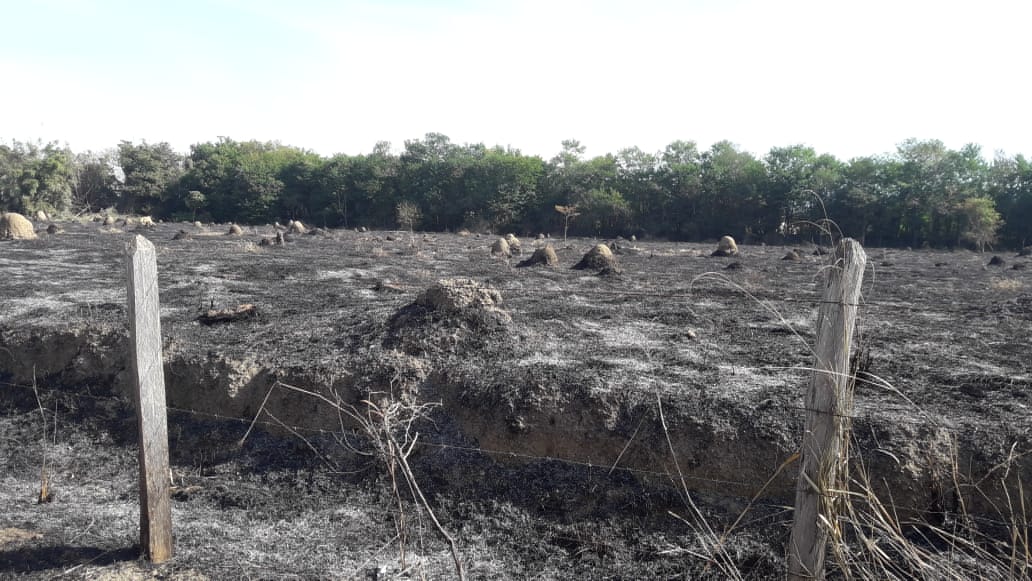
(567,424)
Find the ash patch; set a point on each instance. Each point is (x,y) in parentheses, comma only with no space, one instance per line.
(1019,307)
(453,315)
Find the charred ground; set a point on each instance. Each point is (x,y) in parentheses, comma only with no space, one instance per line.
(533,409)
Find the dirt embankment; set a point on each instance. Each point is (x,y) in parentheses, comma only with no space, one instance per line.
(540,364)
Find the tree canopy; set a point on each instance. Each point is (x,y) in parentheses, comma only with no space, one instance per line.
(922,194)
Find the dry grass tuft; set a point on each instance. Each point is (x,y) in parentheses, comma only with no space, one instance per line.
(1006,285)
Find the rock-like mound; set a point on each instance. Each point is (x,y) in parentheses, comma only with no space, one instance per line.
(726,247)
(545,256)
(14,226)
(501,248)
(452,315)
(514,243)
(792,255)
(235,230)
(41,216)
(598,258)
(455,295)
(108,220)
(147,222)
(296,227)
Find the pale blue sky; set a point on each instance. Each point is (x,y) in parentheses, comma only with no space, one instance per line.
(848,78)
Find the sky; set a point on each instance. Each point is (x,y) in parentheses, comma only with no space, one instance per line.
(849,78)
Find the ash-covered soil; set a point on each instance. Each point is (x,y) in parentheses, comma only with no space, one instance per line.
(545,451)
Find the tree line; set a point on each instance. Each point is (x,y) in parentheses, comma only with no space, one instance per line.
(922,194)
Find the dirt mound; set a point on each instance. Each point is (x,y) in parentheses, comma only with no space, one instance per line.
(454,295)
(453,315)
(147,221)
(545,256)
(996,261)
(726,247)
(235,230)
(792,255)
(610,271)
(14,226)
(108,221)
(514,243)
(501,248)
(597,258)
(296,227)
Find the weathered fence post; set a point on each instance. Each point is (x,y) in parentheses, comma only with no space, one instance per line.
(148,375)
(829,404)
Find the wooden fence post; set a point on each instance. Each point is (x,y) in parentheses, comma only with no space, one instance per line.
(148,375)
(829,403)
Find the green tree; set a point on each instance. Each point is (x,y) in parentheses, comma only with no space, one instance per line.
(933,180)
(256,186)
(430,177)
(1010,185)
(638,181)
(195,200)
(408,215)
(605,210)
(675,210)
(94,185)
(34,176)
(501,188)
(152,173)
(731,200)
(861,205)
(330,200)
(981,221)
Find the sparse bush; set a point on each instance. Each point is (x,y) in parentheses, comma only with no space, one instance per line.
(408,215)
